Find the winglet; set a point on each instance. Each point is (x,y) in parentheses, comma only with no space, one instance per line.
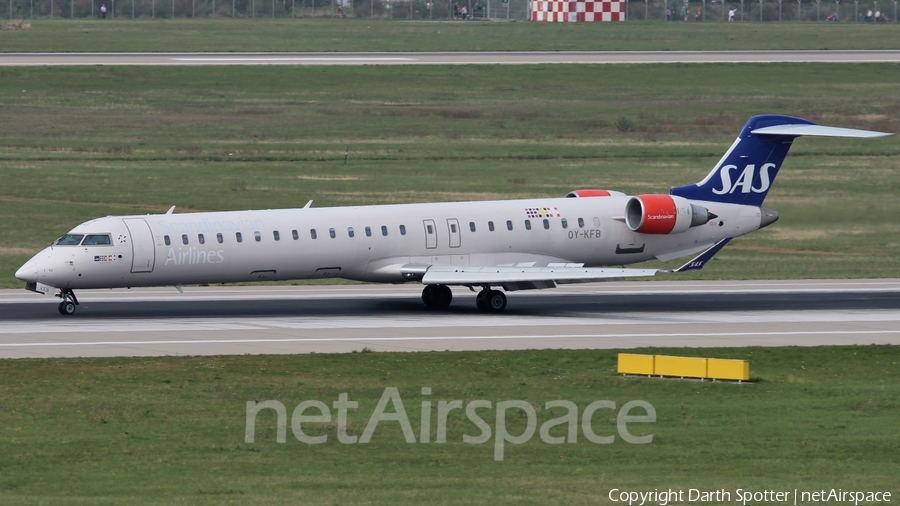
(700,260)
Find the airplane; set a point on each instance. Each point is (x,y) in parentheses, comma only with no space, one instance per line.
(532,243)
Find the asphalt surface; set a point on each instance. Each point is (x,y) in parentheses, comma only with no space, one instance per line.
(448,58)
(260,320)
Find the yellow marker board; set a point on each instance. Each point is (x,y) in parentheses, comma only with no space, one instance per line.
(635,364)
(684,367)
(720,368)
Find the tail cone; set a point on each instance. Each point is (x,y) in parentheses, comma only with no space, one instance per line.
(767,217)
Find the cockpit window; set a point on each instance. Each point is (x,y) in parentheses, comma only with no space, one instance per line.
(96,240)
(70,240)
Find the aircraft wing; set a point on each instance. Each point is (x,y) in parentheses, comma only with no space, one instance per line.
(525,278)
(513,278)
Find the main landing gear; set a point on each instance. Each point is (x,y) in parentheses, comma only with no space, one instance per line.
(490,301)
(487,300)
(437,295)
(69,301)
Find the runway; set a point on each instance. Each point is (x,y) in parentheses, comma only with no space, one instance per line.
(450,58)
(346,318)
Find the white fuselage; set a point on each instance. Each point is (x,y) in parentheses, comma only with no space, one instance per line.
(369,243)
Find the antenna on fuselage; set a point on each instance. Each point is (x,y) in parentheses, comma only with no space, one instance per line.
(170,210)
(307,205)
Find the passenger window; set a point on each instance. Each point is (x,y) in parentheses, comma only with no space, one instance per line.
(508,225)
(368,231)
(580,222)
(350,231)
(96,240)
(238,237)
(295,235)
(596,221)
(402,229)
(201,239)
(312,233)
(220,238)
(257,236)
(331,233)
(546,224)
(491,226)
(75,240)
(565,224)
(276,235)
(167,240)
(184,238)
(430,229)
(472,226)
(527,225)
(384,230)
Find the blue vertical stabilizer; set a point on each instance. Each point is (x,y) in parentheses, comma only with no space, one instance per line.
(747,171)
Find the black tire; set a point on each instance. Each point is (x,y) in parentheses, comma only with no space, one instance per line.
(443,296)
(481,301)
(437,295)
(428,295)
(496,301)
(67,307)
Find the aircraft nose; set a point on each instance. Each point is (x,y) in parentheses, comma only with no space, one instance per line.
(28,272)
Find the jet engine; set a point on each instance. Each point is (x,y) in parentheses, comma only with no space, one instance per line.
(664,214)
(593,193)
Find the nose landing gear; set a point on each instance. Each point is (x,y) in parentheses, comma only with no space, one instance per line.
(69,301)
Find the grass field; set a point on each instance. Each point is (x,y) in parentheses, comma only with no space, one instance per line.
(383,35)
(84,142)
(77,143)
(167,430)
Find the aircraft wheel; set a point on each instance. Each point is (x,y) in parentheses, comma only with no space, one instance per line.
(496,301)
(481,301)
(437,295)
(67,307)
(428,295)
(442,295)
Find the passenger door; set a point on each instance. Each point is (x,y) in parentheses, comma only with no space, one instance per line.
(430,234)
(453,228)
(143,253)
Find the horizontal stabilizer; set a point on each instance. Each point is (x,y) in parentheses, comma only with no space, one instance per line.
(818,131)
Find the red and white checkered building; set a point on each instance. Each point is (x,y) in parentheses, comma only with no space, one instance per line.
(571,11)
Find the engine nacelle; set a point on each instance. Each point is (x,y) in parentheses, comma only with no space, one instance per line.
(664,214)
(593,193)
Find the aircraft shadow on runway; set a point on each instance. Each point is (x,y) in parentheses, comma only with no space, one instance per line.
(549,306)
